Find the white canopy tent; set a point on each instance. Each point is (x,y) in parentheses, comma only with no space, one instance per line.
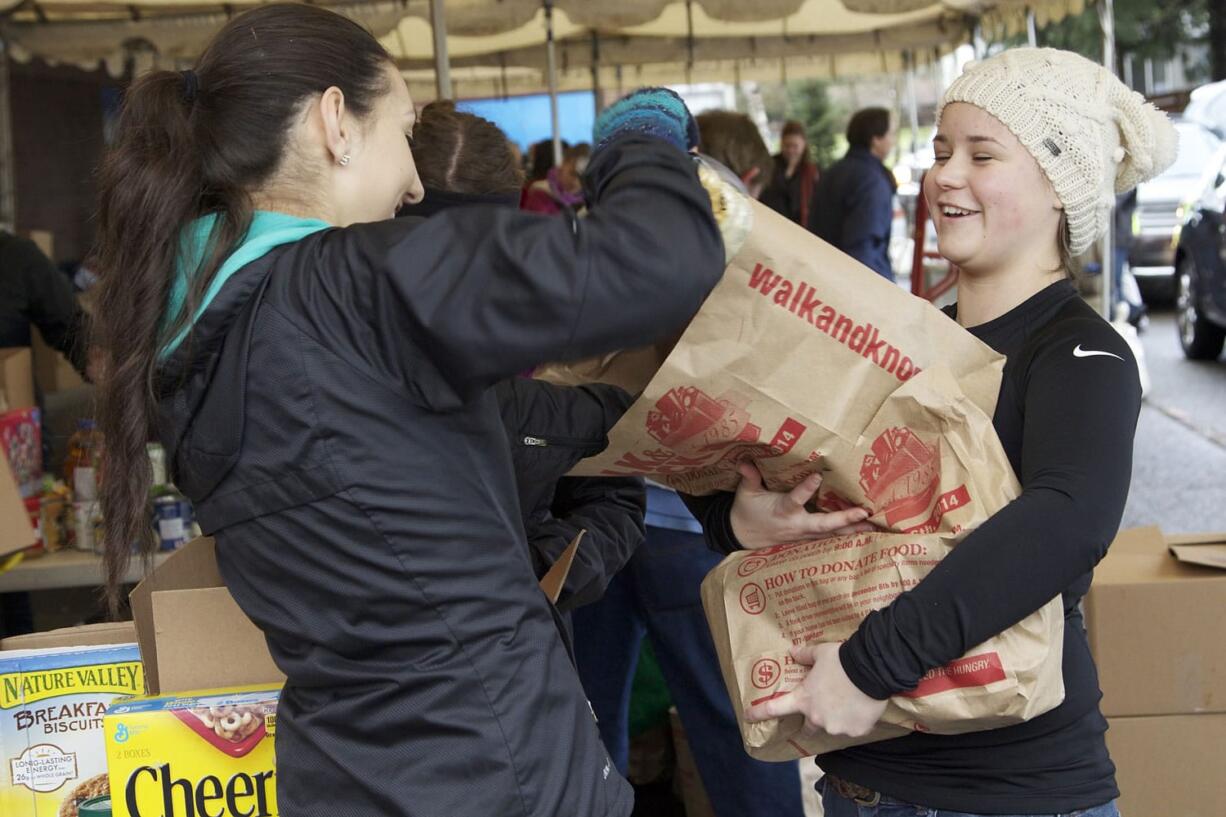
(475,48)
(498,46)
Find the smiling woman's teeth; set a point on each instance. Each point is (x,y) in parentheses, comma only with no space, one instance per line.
(955,211)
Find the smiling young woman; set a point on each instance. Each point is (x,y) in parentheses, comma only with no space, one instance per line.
(1031,148)
(1032,145)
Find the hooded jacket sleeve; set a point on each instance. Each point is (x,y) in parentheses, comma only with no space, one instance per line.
(550,428)
(474,295)
(611,511)
(714,513)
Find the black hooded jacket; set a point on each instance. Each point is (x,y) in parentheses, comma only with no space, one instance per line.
(550,429)
(333,419)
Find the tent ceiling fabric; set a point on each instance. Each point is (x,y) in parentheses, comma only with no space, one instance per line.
(655,39)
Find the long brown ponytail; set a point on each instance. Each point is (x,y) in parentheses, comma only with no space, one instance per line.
(190,144)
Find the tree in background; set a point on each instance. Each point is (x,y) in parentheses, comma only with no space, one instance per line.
(822,118)
(1148,29)
(808,101)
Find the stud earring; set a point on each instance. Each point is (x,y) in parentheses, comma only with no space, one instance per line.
(344,160)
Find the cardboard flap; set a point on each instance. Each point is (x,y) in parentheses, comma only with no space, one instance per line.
(555,578)
(15,530)
(193,565)
(87,635)
(17,384)
(1144,555)
(205,640)
(17,377)
(1206,549)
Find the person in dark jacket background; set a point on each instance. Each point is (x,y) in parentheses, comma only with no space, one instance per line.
(34,293)
(794,176)
(853,204)
(323,383)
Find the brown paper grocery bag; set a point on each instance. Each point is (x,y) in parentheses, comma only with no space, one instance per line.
(803,359)
(790,357)
(944,473)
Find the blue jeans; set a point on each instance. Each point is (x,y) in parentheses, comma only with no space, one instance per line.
(656,595)
(835,805)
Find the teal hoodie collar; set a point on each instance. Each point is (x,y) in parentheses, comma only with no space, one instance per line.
(268,230)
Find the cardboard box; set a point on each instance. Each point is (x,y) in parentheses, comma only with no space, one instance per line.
(17,383)
(17,377)
(1207,549)
(51,715)
(86,635)
(1154,625)
(183,610)
(1169,766)
(204,753)
(173,752)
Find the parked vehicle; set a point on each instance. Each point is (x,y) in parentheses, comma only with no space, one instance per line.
(1200,263)
(1207,105)
(1156,221)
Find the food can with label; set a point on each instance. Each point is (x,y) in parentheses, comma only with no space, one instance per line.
(172,515)
(85,517)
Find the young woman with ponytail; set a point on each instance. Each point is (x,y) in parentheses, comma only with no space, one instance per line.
(321,378)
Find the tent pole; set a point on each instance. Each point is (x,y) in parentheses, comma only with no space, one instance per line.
(8,190)
(689,42)
(912,102)
(597,96)
(442,64)
(1106,19)
(551,69)
(1032,29)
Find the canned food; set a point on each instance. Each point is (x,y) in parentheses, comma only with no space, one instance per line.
(172,515)
(86,517)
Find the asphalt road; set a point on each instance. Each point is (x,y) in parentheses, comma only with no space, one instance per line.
(1179,462)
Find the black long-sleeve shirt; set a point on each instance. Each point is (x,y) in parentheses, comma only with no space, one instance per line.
(33,291)
(1066,416)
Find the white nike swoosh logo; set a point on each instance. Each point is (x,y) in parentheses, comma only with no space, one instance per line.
(1079,352)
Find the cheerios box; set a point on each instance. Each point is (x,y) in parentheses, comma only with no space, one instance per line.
(52,703)
(194,754)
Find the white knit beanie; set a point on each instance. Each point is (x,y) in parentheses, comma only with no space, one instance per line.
(1093,137)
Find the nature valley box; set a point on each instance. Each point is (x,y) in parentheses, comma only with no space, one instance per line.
(194,754)
(51,711)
